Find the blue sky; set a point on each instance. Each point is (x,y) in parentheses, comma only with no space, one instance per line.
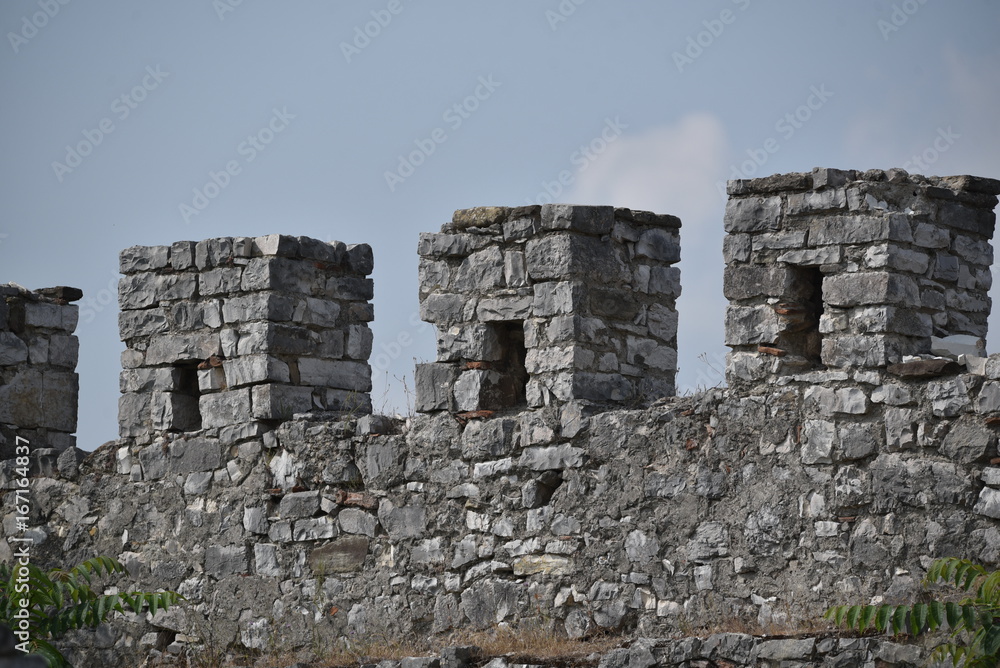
(643,104)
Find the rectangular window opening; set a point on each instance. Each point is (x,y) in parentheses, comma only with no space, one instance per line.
(800,313)
(511,389)
(187,412)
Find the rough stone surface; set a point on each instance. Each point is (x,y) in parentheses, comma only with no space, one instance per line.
(760,504)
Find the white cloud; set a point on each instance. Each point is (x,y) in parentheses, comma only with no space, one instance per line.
(667,169)
(673,169)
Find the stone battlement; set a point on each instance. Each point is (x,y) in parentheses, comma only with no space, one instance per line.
(549,476)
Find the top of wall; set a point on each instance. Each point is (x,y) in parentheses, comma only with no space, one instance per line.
(356,258)
(821,177)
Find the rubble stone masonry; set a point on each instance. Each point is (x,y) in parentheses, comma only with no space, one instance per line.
(549,475)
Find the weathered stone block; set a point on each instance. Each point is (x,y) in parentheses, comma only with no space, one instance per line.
(433,385)
(252,369)
(225,408)
(143,258)
(228,560)
(192,455)
(586,219)
(339,374)
(870,288)
(299,504)
(752,214)
(280,402)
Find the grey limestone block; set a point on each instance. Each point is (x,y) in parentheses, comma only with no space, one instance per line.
(213,252)
(182,255)
(810,202)
(870,288)
(282,274)
(171,348)
(745,281)
(221,561)
(13,349)
(565,255)
(51,316)
(350,288)
(556,298)
(812,257)
(595,220)
(746,325)
(143,258)
(261,338)
(260,306)
(972,249)
(322,312)
(481,271)
(869,350)
(253,369)
(56,390)
(358,343)
(477,342)
(894,256)
(148,379)
(144,322)
(137,291)
(854,229)
(961,216)
(357,521)
(511,307)
(433,245)
(220,281)
(447,309)
(280,402)
(407,521)
(898,319)
(660,245)
(601,387)
(752,214)
(340,374)
(192,455)
(299,504)
(228,407)
(783,240)
(360,259)
(176,286)
(193,315)
(276,245)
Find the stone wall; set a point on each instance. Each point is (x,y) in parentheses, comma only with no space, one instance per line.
(801,485)
(698,511)
(544,305)
(39,388)
(850,271)
(227,337)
